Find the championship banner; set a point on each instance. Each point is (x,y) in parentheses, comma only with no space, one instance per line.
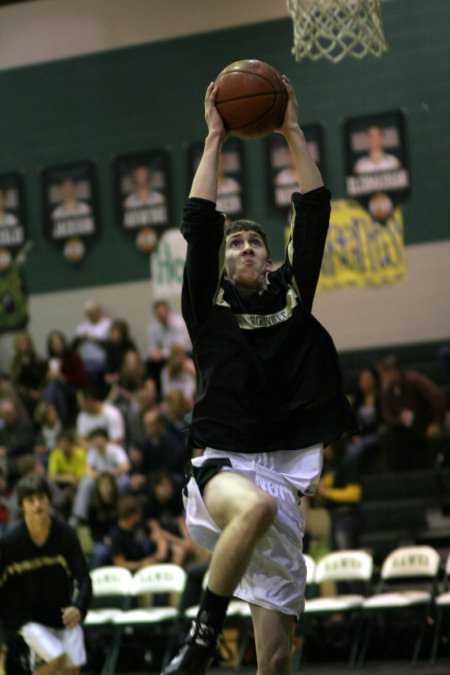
(142,186)
(377,173)
(282,178)
(360,251)
(230,179)
(70,219)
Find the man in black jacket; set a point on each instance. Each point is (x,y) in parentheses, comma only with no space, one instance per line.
(45,588)
(269,397)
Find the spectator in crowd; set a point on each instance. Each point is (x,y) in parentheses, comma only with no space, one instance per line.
(175,407)
(5,497)
(131,374)
(49,426)
(95,413)
(103,516)
(45,588)
(17,438)
(102,455)
(132,545)
(159,450)
(65,375)
(122,394)
(67,465)
(144,400)
(413,410)
(178,373)
(166,328)
(117,345)
(164,514)
(340,490)
(28,371)
(366,404)
(90,338)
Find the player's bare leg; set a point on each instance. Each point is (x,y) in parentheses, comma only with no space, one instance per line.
(273,641)
(51,667)
(245,513)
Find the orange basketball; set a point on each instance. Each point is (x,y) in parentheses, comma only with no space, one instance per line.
(251,98)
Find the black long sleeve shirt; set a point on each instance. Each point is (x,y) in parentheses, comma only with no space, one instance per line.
(268,374)
(36,582)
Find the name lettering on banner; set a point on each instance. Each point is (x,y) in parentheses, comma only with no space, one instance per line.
(360,251)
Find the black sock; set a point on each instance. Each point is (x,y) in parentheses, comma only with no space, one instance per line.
(215,608)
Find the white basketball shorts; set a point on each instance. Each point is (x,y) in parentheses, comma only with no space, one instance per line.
(276,576)
(50,643)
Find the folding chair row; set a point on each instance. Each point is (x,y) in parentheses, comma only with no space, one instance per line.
(120,590)
(442,606)
(408,583)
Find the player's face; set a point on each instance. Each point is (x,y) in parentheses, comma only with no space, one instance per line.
(246,260)
(36,505)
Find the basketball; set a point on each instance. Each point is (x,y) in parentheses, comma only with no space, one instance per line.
(251,98)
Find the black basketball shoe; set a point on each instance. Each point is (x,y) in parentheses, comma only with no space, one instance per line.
(198,651)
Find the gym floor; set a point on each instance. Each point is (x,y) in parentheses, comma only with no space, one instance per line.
(442,667)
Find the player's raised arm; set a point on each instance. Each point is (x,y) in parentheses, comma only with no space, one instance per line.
(204,185)
(309,177)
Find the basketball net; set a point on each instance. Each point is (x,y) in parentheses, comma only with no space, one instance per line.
(333,29)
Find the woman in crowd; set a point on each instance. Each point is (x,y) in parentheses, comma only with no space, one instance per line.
(65,375)
(27,371)
(366,404)
(102,517)
(178,373)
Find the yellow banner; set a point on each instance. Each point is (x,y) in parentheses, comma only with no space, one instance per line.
(360,251)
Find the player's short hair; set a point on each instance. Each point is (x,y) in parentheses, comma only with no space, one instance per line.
(243,225)
(32,485)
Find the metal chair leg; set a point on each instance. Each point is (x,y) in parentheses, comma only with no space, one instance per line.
(436,636)
(109,666)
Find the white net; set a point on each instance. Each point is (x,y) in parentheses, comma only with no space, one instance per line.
(333,29)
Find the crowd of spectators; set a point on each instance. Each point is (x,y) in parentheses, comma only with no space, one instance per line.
(105,424)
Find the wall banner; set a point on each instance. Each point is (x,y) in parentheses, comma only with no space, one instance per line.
(360,251)
(70,220)
(230,183)
(377,173)
(143,204)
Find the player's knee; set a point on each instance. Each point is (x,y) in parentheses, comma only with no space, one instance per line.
(263,512)
(276,663)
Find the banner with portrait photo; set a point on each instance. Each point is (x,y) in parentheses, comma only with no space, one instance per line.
(377,173)
(281,174)
(230,187)
(13,248)
(70,218)
(142,185)
(360,251)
